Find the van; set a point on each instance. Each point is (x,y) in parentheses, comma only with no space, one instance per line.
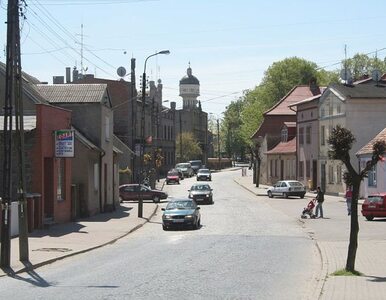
(196,165)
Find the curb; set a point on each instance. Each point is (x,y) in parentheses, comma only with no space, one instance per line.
(30,267)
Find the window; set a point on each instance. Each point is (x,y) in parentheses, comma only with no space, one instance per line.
(301,136)
(308,169)
(338,109)
(372,176)
(339,174)
(271,168)
(96,177)
(331,109)
(284,134)
(322,135)
(301,169)
(107,128)
(275,168)
(330,174)
(308,135)
(322,112)
(60,189)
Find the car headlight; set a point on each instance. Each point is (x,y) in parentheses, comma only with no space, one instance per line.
(167,216)
(207,195)
(189,216)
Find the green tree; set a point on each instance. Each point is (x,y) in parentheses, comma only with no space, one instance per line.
(278,80)
(189,149)
(341,141)
(361,64)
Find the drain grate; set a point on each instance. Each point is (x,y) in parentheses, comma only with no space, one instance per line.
(53,249)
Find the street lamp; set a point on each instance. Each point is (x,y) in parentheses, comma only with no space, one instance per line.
(140,177)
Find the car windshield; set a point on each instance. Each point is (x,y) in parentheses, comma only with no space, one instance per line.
(184,166)
(196,163)
(186,204)
(294,183)
(204,171)
(172,173)
(200,187)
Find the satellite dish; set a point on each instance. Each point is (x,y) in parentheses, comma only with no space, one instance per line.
(376,75)
(345,74)
(121,71)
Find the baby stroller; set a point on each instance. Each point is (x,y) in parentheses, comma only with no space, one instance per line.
(309,210)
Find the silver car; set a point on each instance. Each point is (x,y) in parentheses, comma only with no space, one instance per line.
(286,188)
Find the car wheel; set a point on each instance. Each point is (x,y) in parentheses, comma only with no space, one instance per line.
(270,194)
(156,199)
(198,224)
(369,218)
(285,195)
(164,227)
(120,199)
(302,196)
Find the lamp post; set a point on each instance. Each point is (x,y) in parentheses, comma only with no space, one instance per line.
(257,143)
(141,156)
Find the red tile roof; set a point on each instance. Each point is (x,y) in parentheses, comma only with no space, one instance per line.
(298,93)
(368,148)
(284,148)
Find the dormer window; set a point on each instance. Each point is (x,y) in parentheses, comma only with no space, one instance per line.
(284,134)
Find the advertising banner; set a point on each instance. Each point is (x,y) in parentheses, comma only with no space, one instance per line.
(64,143)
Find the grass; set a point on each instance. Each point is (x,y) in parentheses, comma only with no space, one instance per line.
(344,272)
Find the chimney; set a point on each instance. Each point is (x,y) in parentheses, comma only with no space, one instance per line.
(75,74)
(315,90)
(173,105)
(68,75)
(58,79)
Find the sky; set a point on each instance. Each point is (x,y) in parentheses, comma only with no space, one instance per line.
(229,44)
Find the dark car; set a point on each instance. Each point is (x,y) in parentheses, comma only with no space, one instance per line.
(286,188)
(201,192)
(173,176)
(374,206)
(204,174)
(196,165)
(181,212)
(135,191)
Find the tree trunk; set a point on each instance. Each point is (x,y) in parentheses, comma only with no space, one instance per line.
(353,245)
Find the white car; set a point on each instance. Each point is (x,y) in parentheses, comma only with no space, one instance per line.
(286,188)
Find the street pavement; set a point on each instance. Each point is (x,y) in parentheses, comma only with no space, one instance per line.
(330,235)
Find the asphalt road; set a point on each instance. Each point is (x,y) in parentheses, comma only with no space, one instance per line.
(244,250)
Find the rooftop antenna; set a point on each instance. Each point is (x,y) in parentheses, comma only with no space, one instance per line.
(376,74)
(81,48)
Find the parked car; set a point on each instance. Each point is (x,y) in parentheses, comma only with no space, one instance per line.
(201,192)
(287,188)
(196,165)
(173,177)
(186,169)
(204,174)
(374,206)
(129,192)
(181,212)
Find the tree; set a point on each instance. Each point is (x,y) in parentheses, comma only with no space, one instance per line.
(190,147)
(361,64)
(341,141)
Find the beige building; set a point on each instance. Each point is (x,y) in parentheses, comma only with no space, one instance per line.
(359,108)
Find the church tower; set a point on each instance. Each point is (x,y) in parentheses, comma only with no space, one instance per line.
(189,90)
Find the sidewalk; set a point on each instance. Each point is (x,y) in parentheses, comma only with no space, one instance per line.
(64,240)
(331,236)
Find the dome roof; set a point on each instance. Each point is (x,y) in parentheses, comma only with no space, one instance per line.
(189,78)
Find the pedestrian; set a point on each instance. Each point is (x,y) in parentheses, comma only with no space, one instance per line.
(319,206)
(348,197)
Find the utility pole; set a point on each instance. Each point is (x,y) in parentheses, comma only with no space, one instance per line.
(133,98)
(179,114)
(218,143)
(13,94)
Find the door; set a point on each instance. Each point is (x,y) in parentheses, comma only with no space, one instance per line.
(323,177)
(49,187)
(314,174)
(281,169)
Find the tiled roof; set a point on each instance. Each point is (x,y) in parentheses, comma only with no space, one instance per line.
(29,123)
(298,93)
(368,148)
(284,148)
(73,93)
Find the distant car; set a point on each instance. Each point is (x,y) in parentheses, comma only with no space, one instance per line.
(201,192)
(186,169)
(173,177)
(286,188)
(196,165)
(181,212)
(204,174)
(374,206)
(129,192)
